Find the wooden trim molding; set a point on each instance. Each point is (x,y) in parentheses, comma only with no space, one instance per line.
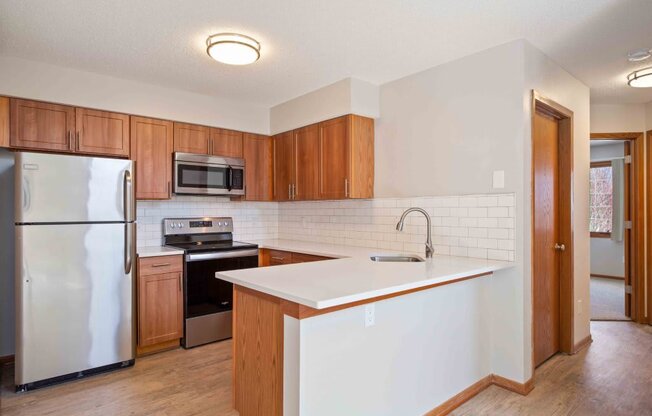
(476,388)
(521,388)
(4,122)
(606,276)
(461,397)
(6,359)
(595,234)
(648,169)
(582,344)
(601,164)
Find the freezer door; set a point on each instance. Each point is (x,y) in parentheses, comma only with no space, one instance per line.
(74,298)
(60,188)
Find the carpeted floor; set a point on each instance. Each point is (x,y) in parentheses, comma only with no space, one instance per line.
(607,299)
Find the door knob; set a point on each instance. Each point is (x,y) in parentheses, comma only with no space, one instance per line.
(560,247)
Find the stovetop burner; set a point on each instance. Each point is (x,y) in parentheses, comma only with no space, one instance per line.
(199,246)
(202,234)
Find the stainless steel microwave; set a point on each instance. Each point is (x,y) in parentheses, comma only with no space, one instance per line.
(208,175)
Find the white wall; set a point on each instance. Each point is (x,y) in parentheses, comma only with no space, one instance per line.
(39,81)
(607,256)
(348,96)
(6,254)
(399,366)
(550,80)
(618,118)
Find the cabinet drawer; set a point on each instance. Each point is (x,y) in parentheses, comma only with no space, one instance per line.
(277,257)
(305,258)
(162,264)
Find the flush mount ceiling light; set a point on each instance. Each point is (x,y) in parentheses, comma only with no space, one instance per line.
(233,48)
(641,78)
(639,55)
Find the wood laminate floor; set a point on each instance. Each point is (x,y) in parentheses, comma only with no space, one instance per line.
(613,376)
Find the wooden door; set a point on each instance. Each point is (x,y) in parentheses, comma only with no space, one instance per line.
(306,145)
(151,149)
(284,166)
(334,158)
(191,138)
(226,143)
(41,126)
(160,308)
(546,261)
(258,155)
(102,133)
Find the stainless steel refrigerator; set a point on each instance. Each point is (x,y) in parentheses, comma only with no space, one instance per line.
(75,251)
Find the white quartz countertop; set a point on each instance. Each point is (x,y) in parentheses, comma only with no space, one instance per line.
(155,251)
(352,276)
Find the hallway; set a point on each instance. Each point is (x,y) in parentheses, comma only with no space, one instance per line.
(612,376)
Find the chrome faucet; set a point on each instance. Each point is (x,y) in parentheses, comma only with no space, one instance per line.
(399,227)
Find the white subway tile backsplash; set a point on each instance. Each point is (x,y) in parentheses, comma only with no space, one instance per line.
(479,226)
(471,225)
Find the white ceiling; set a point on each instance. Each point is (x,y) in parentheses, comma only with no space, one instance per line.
(307,44)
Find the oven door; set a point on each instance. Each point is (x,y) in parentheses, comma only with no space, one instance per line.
(209,300)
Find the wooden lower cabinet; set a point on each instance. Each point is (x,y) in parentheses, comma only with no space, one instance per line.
(267,257)
(160,303)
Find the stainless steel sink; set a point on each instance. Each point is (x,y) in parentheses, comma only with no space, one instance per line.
(399,259)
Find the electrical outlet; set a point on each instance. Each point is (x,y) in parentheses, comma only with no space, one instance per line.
(580,306)
(369,314)
(498,179)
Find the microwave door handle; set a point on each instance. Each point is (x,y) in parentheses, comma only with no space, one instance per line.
(230,175)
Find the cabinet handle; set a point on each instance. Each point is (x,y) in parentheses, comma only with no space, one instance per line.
(180,288)
(77,141)
(210,147)
(278,258)
(169,189)
(70,140)
(161,264)
(289,191)
(346,188)
(294,191)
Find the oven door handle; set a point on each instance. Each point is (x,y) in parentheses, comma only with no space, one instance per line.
(221,255)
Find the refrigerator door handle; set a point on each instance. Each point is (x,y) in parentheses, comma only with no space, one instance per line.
(129,237)
(128,196)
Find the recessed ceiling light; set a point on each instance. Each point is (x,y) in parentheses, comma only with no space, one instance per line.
(641,78)
(233,48)
(638,55)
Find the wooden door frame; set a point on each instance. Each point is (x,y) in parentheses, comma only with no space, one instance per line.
(565,192)
(648,277)
(637,216)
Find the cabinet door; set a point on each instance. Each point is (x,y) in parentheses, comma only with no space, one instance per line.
(151,149)
(284,166)
(258,155)
(307,258)
(41,126)
(160,308)
(334,162)
(306,143)
(226,143)
(101,133)
(190,138)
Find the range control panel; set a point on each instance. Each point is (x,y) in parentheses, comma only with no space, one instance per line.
(172,226)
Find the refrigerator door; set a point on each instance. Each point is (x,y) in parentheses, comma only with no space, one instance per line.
(74,298)
(60,188)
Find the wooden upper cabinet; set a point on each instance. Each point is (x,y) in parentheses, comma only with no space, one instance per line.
(41,126)
(346,158)
(258,155)
(191,138)
(284,166)
(101,133)
(4,122)
(335,153)
(306,142)
(226,143)
(151,149)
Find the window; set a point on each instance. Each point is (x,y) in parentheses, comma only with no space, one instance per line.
(601,199)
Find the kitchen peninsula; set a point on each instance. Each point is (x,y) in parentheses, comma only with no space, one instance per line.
(350,333)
